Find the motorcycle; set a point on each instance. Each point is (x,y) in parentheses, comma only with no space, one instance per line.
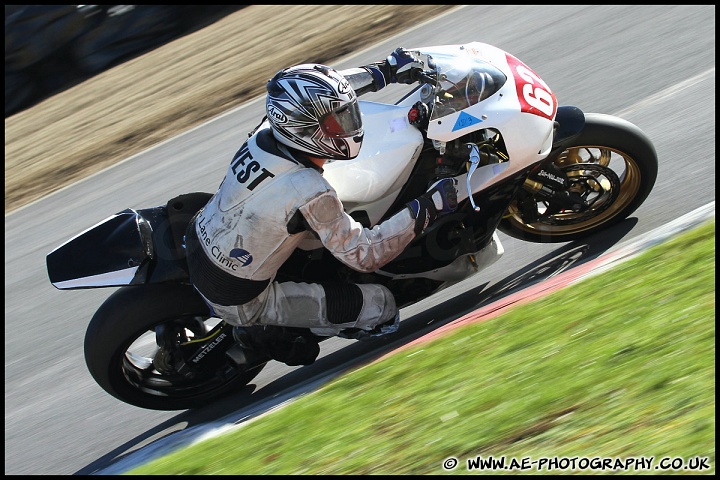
(525,166)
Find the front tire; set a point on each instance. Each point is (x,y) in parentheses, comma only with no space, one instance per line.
(123,356)
(611,156)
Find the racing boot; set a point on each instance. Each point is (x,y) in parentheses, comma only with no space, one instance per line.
(279,343)
(381,330)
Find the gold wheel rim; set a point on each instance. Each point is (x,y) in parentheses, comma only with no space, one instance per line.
(624,166)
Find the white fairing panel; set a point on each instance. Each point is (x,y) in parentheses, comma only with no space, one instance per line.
(120,277)
(522,110)
(374,178)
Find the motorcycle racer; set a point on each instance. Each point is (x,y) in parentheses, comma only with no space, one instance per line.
(274,196)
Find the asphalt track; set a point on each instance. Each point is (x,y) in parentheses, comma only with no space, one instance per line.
(652,65)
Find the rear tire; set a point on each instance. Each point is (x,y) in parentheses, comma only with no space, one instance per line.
(606,142)
(134,311)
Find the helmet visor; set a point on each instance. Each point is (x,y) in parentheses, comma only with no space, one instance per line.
(342,122)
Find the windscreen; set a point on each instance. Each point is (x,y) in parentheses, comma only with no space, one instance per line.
(463,82)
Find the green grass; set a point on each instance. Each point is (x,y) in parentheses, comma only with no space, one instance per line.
(619,365)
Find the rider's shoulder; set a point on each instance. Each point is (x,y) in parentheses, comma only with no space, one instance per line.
(310,183)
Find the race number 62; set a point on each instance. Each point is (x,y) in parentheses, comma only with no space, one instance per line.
(533,93)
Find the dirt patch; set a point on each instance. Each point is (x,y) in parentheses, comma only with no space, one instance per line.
(156,96)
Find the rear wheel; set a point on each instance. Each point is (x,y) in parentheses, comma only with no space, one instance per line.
(157,347)
(611,167)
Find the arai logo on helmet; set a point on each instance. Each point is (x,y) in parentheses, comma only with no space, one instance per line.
(276,114)
(344,87)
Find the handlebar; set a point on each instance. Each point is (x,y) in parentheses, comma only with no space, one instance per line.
(425,77)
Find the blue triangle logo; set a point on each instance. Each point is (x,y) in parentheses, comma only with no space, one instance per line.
(464,121)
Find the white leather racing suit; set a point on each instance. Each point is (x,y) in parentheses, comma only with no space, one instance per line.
(244,233)
(251,226)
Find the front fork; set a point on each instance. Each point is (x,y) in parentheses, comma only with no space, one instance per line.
(546,182)
(179,354)
(549,183)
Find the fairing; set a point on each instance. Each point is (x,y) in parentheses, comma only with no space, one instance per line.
(372,180)
(110,253)
(479,87)
(522,110)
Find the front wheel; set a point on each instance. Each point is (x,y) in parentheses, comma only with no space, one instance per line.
(611,167)
(157,347)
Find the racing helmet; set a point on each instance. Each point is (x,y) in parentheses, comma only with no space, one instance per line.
(313,109)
